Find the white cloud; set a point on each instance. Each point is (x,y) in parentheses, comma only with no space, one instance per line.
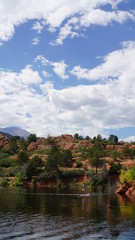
(42,59)
(117,64)
(129,139)
(65,31)
(91,17)
(13,82)
(86,109)
(37,26)
(58,67)
(52,14)
(46,74)
(35,41)
(103,18)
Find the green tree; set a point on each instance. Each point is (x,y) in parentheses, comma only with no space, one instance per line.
(50,140)
(22,157)
(66,158)
(34,167)
(113,139)
(32,138)
(23,143)
(14,138)
(114,168)
(78,137)
(52,162)
(127,152)
(53,159)
(99,138)
(13,148)
(96,153)
(115,154)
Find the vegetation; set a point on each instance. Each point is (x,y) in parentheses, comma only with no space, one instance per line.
(114,168)
(127,175)
(95,159)
(96,153)
(34,167)
(32,138)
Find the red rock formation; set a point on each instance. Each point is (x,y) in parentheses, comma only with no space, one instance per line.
(127,189)
(4,141)
(39,144)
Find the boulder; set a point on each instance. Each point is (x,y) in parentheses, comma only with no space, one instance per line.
(127,189)
(123,188)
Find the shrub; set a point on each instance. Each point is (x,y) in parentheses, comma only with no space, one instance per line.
(114,168)
(1,172)
(127,175)
(90,173)
(22,157)
(71,173)
(95,180)
(47,176)
(6,162)
(85,168)
(19,179)
(79,164)
(13,148)
(23,144)
(4,182)
(50,141)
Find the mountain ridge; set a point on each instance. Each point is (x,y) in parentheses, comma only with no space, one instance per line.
(15,131)
(6,134)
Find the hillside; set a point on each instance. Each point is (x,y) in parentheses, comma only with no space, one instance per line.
(66,158)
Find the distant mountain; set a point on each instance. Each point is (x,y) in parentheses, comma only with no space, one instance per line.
(6,134)
(15,131)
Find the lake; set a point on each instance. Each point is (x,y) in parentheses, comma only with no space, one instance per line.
(46,214)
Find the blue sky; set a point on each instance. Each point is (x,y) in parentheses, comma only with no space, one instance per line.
(68,66)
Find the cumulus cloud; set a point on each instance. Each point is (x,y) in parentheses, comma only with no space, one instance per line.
(68,17)
(117,64)
(92,17)
(58,67)
(86,109)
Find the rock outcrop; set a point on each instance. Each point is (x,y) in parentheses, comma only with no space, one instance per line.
(4,141)
(39,144)
(65,141)
(127,189)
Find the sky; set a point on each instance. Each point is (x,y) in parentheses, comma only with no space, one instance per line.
(68,67)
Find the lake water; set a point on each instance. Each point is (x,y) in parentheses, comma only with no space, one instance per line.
(44,214)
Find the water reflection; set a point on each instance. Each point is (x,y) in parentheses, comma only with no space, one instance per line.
(39,215)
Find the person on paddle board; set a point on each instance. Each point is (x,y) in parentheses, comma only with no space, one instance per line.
(83,187)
